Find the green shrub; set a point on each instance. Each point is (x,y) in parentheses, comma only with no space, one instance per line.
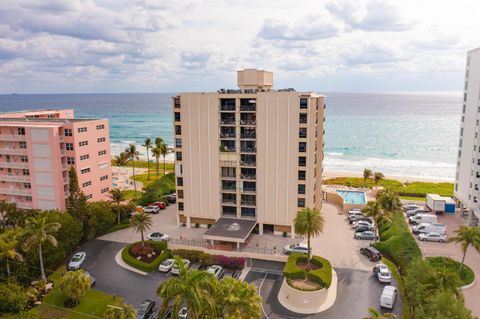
(467,276)
(197,225)
(322,275)
(291,271)
(146,267)
(284,234)
(13,298)
(194,256)
(157,189)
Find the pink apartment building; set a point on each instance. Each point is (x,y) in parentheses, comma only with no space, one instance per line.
(37,149)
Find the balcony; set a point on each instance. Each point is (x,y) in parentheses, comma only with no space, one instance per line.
(63,152)
(227,105)
(64,167)
(227,121)
(249,203)
(24,205)
(248,176)
(248,133)
(248,163)
(15,179)
(19,165)
(14,151)
(228,188)
(248,108)
(15,191)
(229,201)
(248,190)
(248,122)
(248,149)
(65,180)
(228,177)
(9,137)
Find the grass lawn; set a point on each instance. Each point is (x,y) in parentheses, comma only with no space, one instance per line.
(130,194)
(143,178)
(467,276)
(93,304)
(421,199)
(143,164)
(401,288)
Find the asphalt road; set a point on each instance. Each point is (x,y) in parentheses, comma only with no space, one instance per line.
(357,291)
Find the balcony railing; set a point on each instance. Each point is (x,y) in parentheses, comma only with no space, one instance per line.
(65,180)
(248,190)
(227,135)
(248,176)
(248,108)
(229,214)
(14,178)
(15,191)
(248,203)
(64,167)
(229,177)
(228,188)
(248,163)
(249,216)
(229,201)
(228,149)
(227,121)
(248,135)
(248,149)
(63,152)
(20,165)
(248,122)
(24,205)
(14,151)
(7,137)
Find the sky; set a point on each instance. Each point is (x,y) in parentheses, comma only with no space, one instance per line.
(114,46)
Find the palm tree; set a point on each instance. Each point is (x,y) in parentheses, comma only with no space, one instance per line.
(156,151)
(148,145)
(238,299)
(125,311)
(160,143)
(37,232)
(141,222)
(373,209)
(75,284)
(377,177)
(447,279)
(466,237)
(374,314)
(8,251)
(121,159)
(7,209)
(389,200)
(309,222)
(367,173)
(117,196)
(133,154)
(192,288)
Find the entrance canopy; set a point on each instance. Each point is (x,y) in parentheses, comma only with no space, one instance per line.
(230,230)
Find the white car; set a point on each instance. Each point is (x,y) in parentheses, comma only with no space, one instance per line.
(166,265)
(151,209)
(158,236)
(359,223)
(410,207)
(176,267)
(433,237)
(384,274)
(77,261)
(354,211)
(387,299)
(295,248)
(183,313)
(215,270)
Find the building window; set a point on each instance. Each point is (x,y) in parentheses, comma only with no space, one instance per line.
(178,129)
(301,175)
(70,160)
(302,161)
(85,170)
(89,196)
(28,198)
(84,157)
(180,193)
(21,131)
(102,152)
(301,188)
(301,202)
(67,132)
(179,181)
(179,156)
(178,142)
(303,118)
(69,146)
(104,190)
(82,129)
(302,147)
(83,143)
(22,144)
(302,132)
(105,177)
(101,139)
(177,117)
(180,206)
(100,127)
(26,172)
(27,185)
(24,159)
(303,103)
(86,184)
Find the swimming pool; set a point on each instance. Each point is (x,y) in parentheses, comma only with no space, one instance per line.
(353,197)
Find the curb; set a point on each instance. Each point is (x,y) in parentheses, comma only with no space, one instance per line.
(468,286)
(121,263)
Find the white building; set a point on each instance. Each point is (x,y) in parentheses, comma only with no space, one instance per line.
(467,178)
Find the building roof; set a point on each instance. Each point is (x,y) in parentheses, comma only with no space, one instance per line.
(230,230)
(39,120)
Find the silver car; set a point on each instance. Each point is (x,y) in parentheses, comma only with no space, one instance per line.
(433,237)
(367,235)
(77,261)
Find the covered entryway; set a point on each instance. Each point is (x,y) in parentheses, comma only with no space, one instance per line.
(230,230)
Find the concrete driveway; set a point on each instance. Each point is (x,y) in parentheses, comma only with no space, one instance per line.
(357,291)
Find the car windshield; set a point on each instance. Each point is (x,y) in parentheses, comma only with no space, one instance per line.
(76,258)
(384,272)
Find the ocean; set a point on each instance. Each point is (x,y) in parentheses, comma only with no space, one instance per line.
(408,134)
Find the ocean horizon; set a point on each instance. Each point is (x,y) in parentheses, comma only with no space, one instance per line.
(397,133)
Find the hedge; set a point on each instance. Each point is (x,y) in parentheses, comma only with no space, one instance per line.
(322,275)
(467,276)
(146,267)
(197,256)
(397,243)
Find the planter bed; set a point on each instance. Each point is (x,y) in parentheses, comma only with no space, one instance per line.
(146,264)
(318,277)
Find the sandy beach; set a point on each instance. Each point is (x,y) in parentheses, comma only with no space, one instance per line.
(403,179)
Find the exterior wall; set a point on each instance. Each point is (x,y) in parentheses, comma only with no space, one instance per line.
(467,184)
(63,114)
(253,78)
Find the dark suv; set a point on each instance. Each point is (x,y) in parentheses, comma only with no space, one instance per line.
(372,253)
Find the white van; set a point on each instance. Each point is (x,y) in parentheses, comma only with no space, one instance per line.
(387,299)
(423,218)
(425,228)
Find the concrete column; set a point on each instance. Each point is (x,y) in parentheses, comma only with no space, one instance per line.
(292,234)
(260,228)
(238,246)
(178,220)
(188,222)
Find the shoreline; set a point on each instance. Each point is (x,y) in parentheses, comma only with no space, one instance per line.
(401,178)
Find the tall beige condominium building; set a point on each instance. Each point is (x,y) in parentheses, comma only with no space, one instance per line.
(246,157)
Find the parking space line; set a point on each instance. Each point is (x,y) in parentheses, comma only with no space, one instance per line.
(260,293)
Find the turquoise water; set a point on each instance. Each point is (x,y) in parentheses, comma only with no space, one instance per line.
(352,197)
(397,134)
